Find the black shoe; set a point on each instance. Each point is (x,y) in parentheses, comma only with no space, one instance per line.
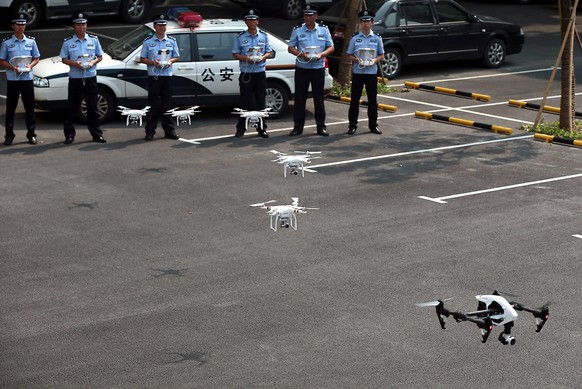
(263,134)
(69,140)
(375,130)
(351,131)
(99,139)
(239,134)
(322,132)
(172,135)
(295,132)
(32,140)
(8,141)
(149,137)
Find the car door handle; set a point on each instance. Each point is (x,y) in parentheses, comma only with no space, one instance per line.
(185,67)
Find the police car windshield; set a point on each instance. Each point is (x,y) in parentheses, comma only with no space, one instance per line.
(126,45)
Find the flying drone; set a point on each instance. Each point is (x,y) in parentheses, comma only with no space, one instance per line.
(182,115)
(254,119)
(492,310)
(283,216)
(295,162)
(134,116)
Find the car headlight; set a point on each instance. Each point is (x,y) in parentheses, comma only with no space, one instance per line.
(40,82)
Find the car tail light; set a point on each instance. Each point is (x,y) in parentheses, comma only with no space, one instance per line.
(339,33)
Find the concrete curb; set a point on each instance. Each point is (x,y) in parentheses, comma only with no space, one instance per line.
(547,108)
(557,139)
(474,96)
(465,122)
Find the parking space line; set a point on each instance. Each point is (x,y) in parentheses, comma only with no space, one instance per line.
(406,153)
(487,76)
(442,200)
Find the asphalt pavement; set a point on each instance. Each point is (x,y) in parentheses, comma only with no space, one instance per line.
(139,264)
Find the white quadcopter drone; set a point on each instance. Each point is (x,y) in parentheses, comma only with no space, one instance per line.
(283,216)
(134,116)
(295,162)
(254,119)
(182,115)
(492,310)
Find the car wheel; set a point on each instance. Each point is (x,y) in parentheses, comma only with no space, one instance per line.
(105,107)
(31,8)
(277,97)
(134,11)
(494,53)
(292,9)
(391,65)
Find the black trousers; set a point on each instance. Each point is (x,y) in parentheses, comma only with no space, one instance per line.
(159,99)
(370,81)
(303,78)
(14,90)
(253,92)
(78,89)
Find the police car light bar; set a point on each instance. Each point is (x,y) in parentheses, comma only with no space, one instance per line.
(185,17)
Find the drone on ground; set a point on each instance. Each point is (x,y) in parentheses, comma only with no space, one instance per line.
(182,115)
(295,162)
(492,310)
(283,216)
(254,119)
(134,116)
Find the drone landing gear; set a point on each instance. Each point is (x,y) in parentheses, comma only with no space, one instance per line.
(505,337)
(284,222)
(293,169)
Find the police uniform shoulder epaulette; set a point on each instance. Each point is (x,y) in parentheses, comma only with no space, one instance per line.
(5,39)
(93,36)
(298,26)
(355,33)
(322,24)
(171,37)
(69,38)
(30,37)
(241,33)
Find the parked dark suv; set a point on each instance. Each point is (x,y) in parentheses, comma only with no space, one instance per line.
(417,31)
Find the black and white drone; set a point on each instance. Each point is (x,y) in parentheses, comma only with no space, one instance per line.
(134,116)
(254,119)
(283,216)
(182,115)
(492,310)
(295,163)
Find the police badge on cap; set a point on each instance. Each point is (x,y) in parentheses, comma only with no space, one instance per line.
(366,15)
(310,10)
(252,14)
(19,19)
(161,19)
(79,18)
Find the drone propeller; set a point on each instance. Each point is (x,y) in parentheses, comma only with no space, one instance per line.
(433,303)
(308,152)
(262,204)
(503,293)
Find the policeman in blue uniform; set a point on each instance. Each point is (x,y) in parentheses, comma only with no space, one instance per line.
(251,48)
(310,42)
(19,83)
(82,52)
(366,51)
(159,52)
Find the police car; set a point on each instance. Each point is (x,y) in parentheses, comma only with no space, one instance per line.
(206,74)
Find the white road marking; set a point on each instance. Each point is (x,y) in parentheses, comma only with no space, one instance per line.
(577,236)
(442,200)
(405,153)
